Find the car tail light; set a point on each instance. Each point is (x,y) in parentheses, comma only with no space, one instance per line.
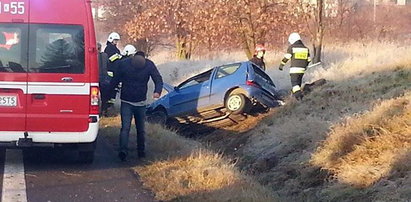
(253,83)
(94,100)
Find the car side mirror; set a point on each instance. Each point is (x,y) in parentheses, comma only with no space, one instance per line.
(176,88)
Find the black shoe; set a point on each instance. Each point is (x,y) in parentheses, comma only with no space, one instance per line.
(141,154)
(122,156)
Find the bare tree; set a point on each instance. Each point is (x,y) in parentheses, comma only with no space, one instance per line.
(259,21)
(201,27)
(313,13)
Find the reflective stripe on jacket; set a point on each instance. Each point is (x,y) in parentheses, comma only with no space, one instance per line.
(297,70)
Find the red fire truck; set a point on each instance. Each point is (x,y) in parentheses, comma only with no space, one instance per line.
(49,91)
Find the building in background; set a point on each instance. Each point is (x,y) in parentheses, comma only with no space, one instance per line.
(97,9)
(391,2)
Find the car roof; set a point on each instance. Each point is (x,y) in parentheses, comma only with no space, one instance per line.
(234,63)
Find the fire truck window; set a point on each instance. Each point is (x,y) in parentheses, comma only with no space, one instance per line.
(56,49)
(11,57)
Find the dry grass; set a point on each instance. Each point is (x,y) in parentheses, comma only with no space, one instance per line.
(350,61)
(202,171)
(367,148)
(183,170)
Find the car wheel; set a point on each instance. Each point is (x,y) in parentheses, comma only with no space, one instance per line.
(158,116)
(237,103)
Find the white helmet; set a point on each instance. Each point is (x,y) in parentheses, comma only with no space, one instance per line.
(113,36)
(294,37)
(129,50)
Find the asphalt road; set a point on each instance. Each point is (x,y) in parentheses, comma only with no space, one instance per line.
(54,175)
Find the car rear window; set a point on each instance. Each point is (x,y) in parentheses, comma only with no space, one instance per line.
(56,49)
(259,72)
(42,48)
(11,45)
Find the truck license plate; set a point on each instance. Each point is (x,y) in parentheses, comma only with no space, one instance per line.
(8,101)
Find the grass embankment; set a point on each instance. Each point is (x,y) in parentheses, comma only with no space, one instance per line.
(367,148)
(347,140)
(181,169)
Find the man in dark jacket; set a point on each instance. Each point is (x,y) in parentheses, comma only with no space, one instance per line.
(134,73)
(299,55)
(258,57)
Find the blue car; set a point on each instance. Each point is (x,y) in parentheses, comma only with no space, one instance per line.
(216,93)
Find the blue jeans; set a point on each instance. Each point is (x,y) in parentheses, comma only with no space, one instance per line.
(127,113)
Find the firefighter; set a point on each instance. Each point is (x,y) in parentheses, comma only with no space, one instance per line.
(258,57)
(299,55)
(112,52)
(114,56)
(104,79)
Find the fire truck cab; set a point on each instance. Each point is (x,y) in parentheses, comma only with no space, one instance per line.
(49,93)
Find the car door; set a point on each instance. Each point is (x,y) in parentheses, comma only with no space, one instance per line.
(262,79)
(13,64)
(226,77)
(58,80)
(192,95)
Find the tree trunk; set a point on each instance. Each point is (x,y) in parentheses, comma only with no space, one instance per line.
(246,44)
(247,49)
(319,35)
(182,49)
(317,53)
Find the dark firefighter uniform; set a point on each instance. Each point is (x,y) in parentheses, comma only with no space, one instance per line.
(258,61)
(113,54)
(258,57)
(299,55)
(114,58)
(104,80)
